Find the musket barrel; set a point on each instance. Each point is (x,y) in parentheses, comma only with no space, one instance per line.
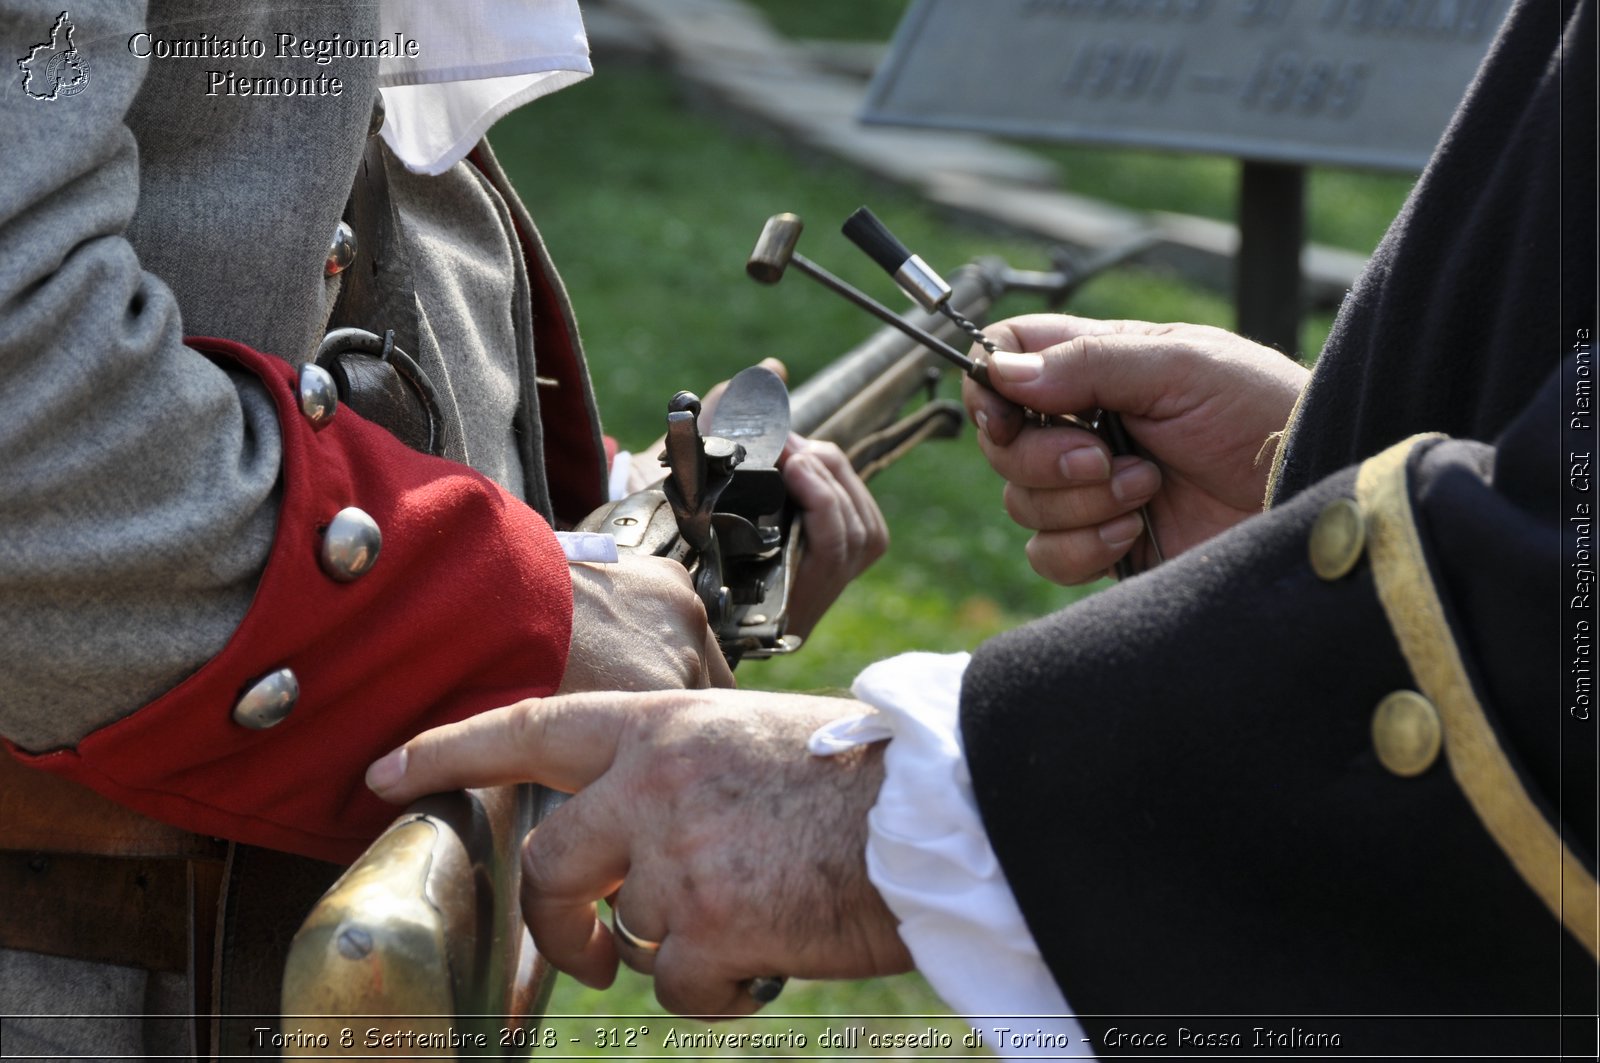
(866,411)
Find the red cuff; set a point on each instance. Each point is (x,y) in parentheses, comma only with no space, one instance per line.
(468,607)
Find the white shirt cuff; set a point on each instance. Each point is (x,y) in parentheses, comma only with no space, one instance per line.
(930,859)
(621,469)
(599,548)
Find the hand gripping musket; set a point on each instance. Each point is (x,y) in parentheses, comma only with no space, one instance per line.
(420,948)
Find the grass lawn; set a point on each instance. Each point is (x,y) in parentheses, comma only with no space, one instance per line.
(650,208)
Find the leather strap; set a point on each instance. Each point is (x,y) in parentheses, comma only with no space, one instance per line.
(85,878)
(130,911)
(43,812)
(383,384)
(377,292)
(156,914)
(267,897)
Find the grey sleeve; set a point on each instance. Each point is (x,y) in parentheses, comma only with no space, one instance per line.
(138,479)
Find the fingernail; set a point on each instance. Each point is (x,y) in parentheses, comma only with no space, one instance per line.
(1085,463)
(982,419)
(1135,482)
(1016,368)
(1122,531)
(387,770)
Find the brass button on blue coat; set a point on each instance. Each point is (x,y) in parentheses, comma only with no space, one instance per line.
(341,250)
(1337,539)
(268,702)
(350,545)
(1407,733)
(319,396)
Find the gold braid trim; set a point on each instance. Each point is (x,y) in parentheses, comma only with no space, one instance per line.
(1479,765)
(1281,437)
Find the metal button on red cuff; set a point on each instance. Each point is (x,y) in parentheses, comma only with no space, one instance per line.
(350,545)
(268,702)
(319,395)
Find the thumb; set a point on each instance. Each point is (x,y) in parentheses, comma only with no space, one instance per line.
(775,365)
(708,405)
(1125,372)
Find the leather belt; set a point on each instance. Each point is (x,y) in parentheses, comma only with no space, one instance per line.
(46,813)
(131,911)
(85,878)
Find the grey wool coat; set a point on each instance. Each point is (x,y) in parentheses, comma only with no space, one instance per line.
(139,481)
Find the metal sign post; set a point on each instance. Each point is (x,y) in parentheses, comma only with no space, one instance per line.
(1279,84)
(1268,285)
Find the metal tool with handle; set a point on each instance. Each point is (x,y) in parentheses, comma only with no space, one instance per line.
(933,294)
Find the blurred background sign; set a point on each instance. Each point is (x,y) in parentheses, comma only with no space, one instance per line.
(1280,84)
(1367,83)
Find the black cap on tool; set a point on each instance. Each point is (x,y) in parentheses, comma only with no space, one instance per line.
(915,277)
(868,233)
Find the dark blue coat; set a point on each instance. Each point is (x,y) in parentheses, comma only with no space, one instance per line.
(1180,775)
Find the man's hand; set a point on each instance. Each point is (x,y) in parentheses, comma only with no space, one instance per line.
(1202,403)
(701,816)
(638,625)
(844,529)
